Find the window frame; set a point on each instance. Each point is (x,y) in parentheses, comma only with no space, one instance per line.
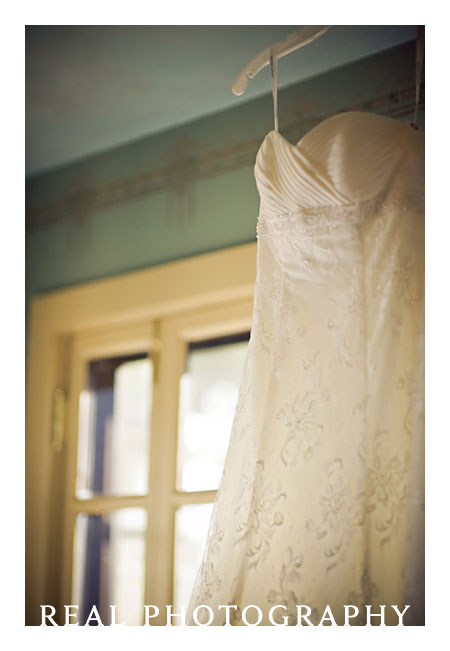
(158,311)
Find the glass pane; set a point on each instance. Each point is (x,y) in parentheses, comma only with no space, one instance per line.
(191,529)
(114,428)
(109,565)
(208,395)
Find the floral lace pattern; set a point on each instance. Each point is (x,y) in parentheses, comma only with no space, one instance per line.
(263,515)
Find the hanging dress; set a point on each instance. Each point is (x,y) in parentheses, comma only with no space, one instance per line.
(321,501)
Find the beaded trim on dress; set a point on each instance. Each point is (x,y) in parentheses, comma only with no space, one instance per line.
(329,216)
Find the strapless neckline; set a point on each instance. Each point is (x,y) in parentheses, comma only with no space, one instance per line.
(347,158)
(334,117)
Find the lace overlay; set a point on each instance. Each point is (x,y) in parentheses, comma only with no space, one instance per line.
(321,499)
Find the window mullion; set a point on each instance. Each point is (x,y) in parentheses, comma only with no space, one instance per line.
(162,476)
(106,503)
(194,497)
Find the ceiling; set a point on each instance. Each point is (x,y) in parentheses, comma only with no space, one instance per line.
(90,88)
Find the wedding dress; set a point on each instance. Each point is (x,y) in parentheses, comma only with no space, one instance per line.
(321,501)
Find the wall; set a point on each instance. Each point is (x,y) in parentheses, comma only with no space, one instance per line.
(191,189)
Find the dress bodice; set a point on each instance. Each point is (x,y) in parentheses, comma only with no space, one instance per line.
(350,157)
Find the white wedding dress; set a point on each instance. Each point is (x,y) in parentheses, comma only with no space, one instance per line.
(321,501)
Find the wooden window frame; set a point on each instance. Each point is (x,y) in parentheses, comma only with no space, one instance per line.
(159,311)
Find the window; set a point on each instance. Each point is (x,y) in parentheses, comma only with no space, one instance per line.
(112,460)
(124,509)
(114,463)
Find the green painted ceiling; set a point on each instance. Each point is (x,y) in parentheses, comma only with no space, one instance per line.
(90,88)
